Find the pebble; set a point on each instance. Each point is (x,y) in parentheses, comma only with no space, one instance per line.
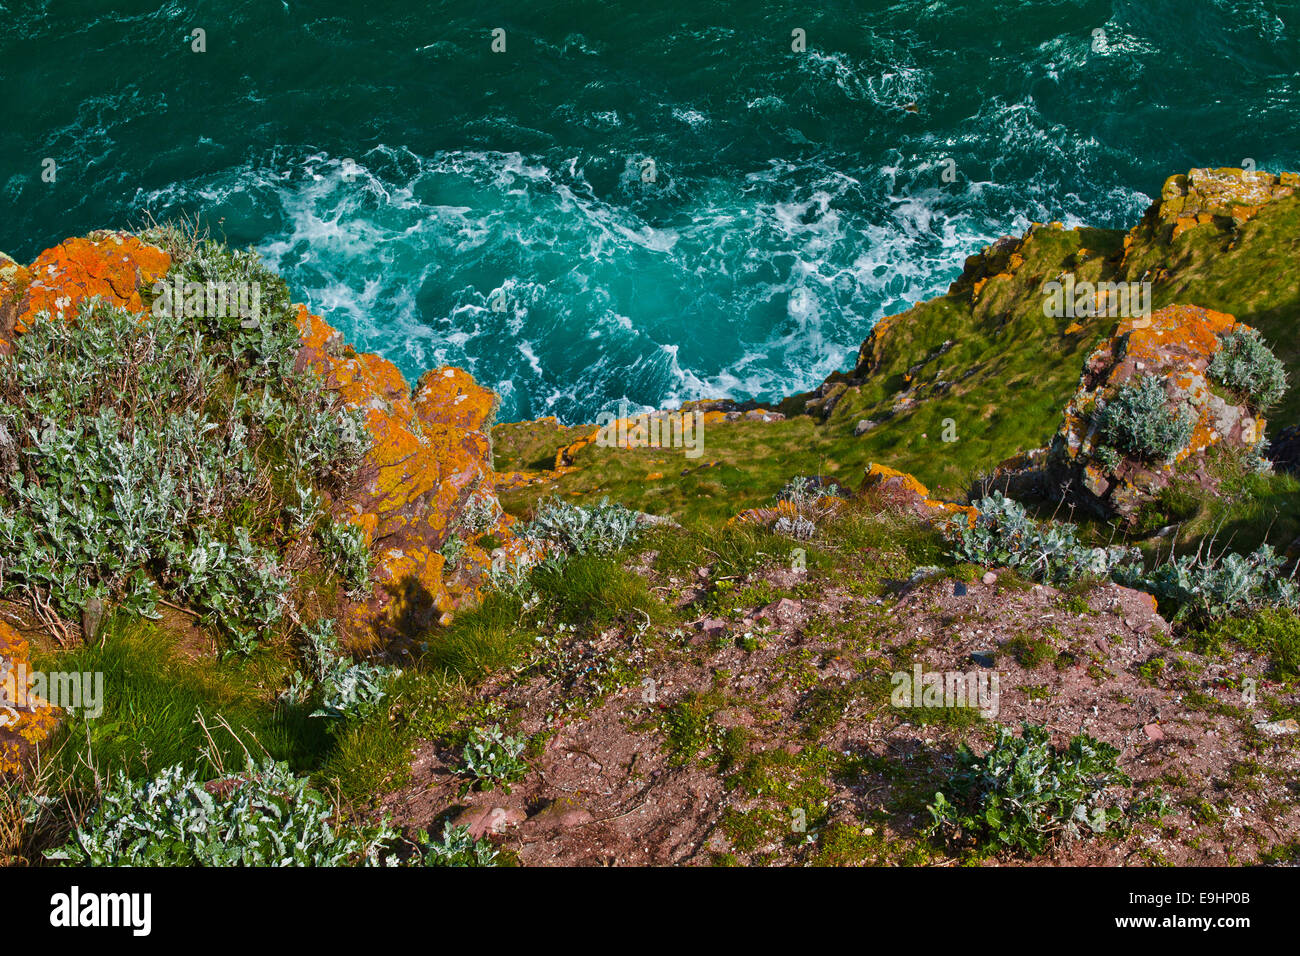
(1278,727)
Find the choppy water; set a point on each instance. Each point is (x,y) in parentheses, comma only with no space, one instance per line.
(444,203)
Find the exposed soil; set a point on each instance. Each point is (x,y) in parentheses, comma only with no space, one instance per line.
(684,747)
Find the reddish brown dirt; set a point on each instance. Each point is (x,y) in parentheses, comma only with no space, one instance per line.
(822,747)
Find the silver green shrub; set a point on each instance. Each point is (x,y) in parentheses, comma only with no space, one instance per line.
(346,689)
(803,490)
(269,818)
(601,529)
(1247,366)
(1005,536)
(1138,421)
(1205,588)
(456,847)
(344,550)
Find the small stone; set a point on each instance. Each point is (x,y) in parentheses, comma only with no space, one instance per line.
(92,615)
(1153,732)
(1278,727)
(989,578)
(484,820)
(864,426)
(784,611)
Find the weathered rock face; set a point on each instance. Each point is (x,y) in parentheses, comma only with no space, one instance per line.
(430,465)
(26,721)
(1204,195)
(112,265)
(1175,345)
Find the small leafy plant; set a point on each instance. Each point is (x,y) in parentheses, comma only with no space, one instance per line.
(797,527)
(344,549)
(493,758)
(347,689)
(452,550)
(456,847)
(1025,794)
(803,490)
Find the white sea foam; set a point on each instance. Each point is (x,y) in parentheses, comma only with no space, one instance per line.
(756,285)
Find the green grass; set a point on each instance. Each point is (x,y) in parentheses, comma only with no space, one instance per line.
(1030,652)
(487,639)
(1273,633)
(153,696)
(589,589)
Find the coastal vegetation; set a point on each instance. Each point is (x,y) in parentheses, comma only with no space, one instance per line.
(346,620)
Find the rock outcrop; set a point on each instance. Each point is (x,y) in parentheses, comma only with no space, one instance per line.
(114,266)
(429,470)
(428,475)
(1203,196)
(1175,345)
(905,491)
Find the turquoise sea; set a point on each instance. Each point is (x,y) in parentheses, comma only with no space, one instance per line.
(649,201)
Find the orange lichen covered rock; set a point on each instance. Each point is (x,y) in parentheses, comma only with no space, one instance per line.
(1175,345)
(1234,196)
(114,266)
(906,490)
(430,458)
(26,721)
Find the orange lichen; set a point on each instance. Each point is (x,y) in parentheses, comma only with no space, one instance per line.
(27,721)
(430,455)
(882,477)
(114,266)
